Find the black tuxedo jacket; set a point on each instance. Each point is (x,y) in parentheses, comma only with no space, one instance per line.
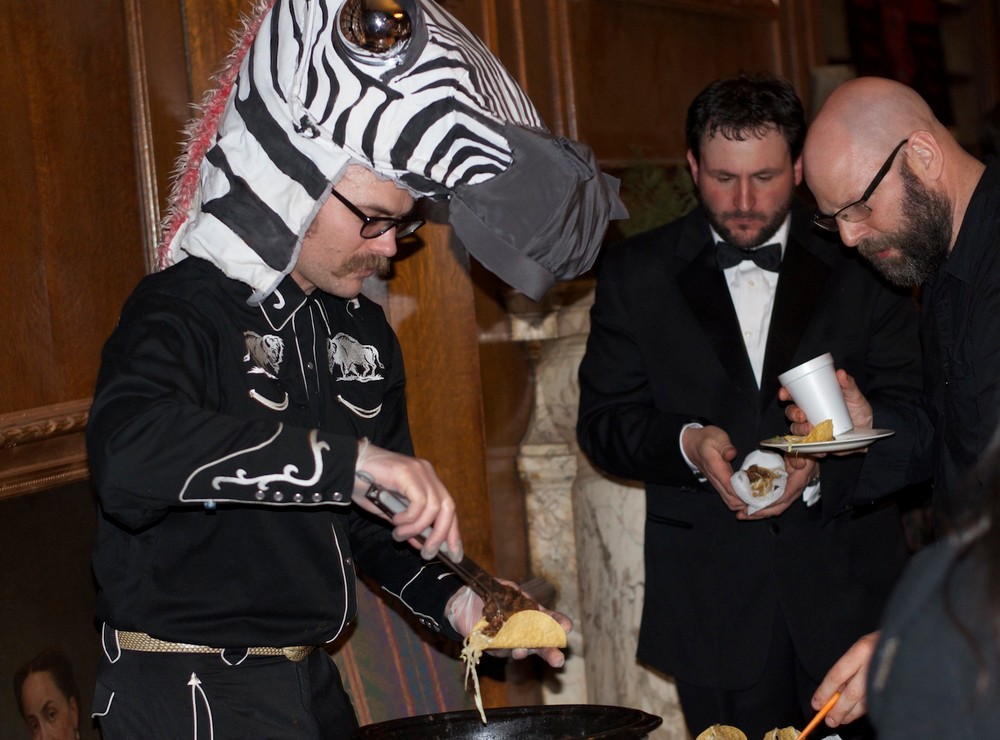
(665,349)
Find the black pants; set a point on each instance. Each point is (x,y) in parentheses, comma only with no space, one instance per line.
(780,698)
(222,697)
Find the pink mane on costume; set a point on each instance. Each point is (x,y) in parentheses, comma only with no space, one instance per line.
(200,133)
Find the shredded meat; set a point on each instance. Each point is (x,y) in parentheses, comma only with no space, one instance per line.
(760,479)
(496,611)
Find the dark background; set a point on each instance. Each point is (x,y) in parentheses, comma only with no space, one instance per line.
(48,593)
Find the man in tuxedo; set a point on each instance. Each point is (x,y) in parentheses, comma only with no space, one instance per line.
(692,323)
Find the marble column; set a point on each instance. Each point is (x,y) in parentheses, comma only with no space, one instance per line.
(585,531)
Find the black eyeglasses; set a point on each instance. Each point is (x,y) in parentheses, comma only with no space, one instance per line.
(373,227)
(859,210)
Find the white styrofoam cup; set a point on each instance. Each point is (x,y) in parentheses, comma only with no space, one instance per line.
(814,387)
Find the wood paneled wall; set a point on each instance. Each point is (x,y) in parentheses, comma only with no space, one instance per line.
(100,92)
(69,175)
(95,97)
(619,74)
(70,239)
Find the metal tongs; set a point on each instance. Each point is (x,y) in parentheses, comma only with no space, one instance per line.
(478,578)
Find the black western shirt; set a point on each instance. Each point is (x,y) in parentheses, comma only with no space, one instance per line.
(223,440)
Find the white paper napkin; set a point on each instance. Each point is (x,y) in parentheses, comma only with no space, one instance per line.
(741,482)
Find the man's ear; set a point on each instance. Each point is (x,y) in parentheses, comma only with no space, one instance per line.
(925,157)
(693,164)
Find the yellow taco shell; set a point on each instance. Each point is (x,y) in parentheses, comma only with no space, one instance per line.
(527,629)
(785,733)
(722,732)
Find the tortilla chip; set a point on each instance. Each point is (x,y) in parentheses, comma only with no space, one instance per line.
(822,432)
(785,733)
(527,629)
(722,732)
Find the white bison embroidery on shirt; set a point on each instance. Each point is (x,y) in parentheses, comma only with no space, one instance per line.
(265,352)
(356,361)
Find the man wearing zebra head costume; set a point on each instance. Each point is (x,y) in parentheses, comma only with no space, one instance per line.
(249,382)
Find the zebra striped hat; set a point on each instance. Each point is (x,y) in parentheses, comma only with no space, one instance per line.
(403,88)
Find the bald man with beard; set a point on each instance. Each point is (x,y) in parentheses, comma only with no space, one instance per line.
(892,180)
(896,185)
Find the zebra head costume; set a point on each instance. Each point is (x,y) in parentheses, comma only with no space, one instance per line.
(399,86)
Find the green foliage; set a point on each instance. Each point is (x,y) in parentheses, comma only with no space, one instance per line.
(655,194)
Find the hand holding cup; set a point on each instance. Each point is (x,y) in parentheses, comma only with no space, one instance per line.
(813,386)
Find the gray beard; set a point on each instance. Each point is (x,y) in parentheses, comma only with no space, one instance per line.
(923,242)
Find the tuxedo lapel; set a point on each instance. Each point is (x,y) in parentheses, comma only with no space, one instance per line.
(800,283)
(704,288)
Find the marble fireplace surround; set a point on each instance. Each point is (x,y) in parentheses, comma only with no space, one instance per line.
(585,530)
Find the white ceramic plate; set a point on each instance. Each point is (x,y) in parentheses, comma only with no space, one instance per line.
(852,440)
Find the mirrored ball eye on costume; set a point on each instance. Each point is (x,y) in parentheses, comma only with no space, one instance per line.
(376,26)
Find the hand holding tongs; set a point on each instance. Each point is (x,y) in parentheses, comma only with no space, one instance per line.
(478,579)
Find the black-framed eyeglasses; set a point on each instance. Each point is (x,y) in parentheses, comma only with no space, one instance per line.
(373,227)
(859,210)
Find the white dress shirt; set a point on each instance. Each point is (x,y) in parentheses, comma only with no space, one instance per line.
(752,290)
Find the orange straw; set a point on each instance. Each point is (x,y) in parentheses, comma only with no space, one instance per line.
(820,715)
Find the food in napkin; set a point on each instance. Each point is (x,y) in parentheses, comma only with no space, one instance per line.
(761,479)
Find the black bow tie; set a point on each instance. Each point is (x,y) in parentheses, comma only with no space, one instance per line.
(767,257)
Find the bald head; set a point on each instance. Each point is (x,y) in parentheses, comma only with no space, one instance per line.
(856,133)
(875,110)
(857,127)
(889,177)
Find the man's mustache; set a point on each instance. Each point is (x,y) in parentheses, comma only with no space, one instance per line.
(873,245)
(744,214)
(379,264)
